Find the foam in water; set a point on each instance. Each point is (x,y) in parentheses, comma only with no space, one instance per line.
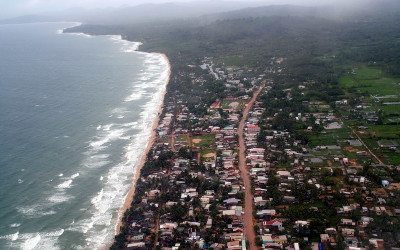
(11,237)
(59,198)
(65,184)
(44,240)
(36,211)
(68,183)
(116,184)
(96,221)
(31,242)
(110,135)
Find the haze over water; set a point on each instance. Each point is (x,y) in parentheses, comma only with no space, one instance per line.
(75,117)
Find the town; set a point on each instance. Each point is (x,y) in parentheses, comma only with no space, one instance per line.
(240,162)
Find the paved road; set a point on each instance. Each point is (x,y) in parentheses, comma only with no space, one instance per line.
(247,217)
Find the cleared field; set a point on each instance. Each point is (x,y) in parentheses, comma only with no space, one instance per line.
(371,80)
(180,138)
(203,140)
(331,137)
(384,131)
(235,104)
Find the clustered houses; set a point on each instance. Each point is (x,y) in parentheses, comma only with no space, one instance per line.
(325,195)
(190,193)
(305,195)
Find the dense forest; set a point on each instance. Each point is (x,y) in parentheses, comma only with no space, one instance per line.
(315,47)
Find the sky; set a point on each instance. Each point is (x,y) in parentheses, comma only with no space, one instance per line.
(12,8)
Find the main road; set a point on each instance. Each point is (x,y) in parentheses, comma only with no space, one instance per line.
(247,217)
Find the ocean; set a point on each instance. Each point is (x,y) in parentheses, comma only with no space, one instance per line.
(76,115)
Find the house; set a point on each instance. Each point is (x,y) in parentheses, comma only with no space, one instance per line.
(138,237)
(280,239)
(136,245)
(325,238)
(301,223)
(288,198)
(283,174)
(385,183)
(253,129)
(168,226)
(348,222)
(266,212)
(232,201)
(267,238)
(377,243)
(274,224)
(347,232)
(234,245)
(259,201)
(331,230)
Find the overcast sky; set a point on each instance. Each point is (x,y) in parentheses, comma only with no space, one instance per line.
(10,8)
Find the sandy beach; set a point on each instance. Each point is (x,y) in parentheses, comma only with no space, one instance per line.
(129,197)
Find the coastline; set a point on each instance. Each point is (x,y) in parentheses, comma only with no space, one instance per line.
(127,200)
(129,196)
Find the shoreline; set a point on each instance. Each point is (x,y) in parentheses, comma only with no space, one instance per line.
(127,200)
(129,196)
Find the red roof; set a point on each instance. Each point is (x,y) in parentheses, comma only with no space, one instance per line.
(272,222)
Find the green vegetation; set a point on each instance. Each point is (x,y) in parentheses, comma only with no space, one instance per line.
(236,104)
(181,138)
(205,140)
(370,80)
(330,137)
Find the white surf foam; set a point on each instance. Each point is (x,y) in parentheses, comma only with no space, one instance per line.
(137,94)
(74,176)
(103,139)
(14,237)
(58,198)
(107,127)
(65,184)
(10,237)
(56,233)
(35,211)
(117,182)
(42,240)
(31,243)
(68,183)
(126,46)
(98,197)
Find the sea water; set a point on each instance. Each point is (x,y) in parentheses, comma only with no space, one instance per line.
(76,113)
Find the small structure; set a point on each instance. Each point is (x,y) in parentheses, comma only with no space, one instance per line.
(385,183)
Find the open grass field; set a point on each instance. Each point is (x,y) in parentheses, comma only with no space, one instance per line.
(180,138)
(378,89)
(391,109)
(208,154)
(372,80)
(384,131)
(331,137)
(205,140)
(236,104)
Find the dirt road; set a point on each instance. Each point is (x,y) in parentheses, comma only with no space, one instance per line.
(247,217)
